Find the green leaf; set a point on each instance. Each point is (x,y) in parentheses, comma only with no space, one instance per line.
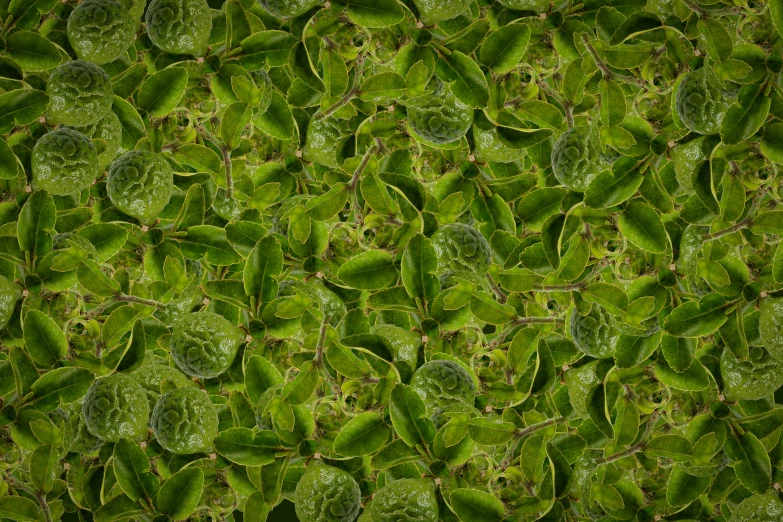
(613,108)
(745,117)
(45,340)
(776,11)
(200,157)
(21,107)
(467,81)
(233,123)
(64,385)
(118,508)
(119,322)
(561,468)
(32,51)
(263,266)
(751,461)
(770,222)
(393,454)
(678,351)
(719,46)
(370,270)
(375,13)
(161,93)
(610,189)
(302,387)
(408,187)
(42,463)
(503,49)
(328,205)
(36,222)
(682,488)
(772,142)
(382,85)
(303,68)
(91,276)
(243,447)
(260,375)
(419,265)
(9,165)
(20,509)
(692,320)
(636,24)
(472,505)
(669,446)
(133,128)
(489,433)
(209,242)
(362,435)
(107,238)
(611,297)
(535,208)
(278,120)
(703,186)
(266,47)
(409,416)
(179,496)
(642,226)
(694,379)
(132,469)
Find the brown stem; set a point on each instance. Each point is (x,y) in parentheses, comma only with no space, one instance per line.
(501,297)
(229,172)
(139,300)
(318,360)
(342,102)
(353,93)
(44,506)
(524,432)
(636,448)
(700,12)
(363,165)
(597,59)
(561,288)
(727,231)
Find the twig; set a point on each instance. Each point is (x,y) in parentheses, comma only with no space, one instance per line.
(597,59)
(636,448)
(123,298)
(524,432)
(501,297)
(44,506)
(318,360)
(561,288)
(353,93)
(728,231)
(700,12)
(229,172)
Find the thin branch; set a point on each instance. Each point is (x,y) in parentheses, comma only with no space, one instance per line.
(728,231)
(561,288)
(524,432)
(229,172)
(353,93)
(700,12)
(44,506)
(636,448)
(318,360)
(597,59)
(123,298)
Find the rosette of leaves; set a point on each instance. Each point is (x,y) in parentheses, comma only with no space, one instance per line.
(508,260)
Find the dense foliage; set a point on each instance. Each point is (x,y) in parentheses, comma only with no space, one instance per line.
(400,260)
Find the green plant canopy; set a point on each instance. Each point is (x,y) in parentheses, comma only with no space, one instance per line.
(391,260)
